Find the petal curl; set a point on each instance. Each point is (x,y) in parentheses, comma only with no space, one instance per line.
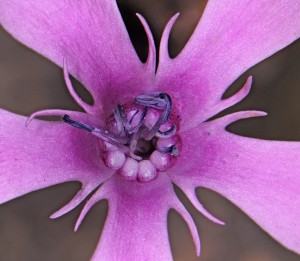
(231,37)
(44,154)
(90,35)
(136,225)
(261,177)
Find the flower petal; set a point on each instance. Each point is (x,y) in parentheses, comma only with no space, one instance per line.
(44,154)
(231,37)
(261,177)
(136,225)
(90,35)
(151,59)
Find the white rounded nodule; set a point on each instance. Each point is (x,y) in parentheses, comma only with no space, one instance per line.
(160,160)
(114,159)
(130,169)
(147,171)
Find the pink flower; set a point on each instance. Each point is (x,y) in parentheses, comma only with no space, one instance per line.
(158,134)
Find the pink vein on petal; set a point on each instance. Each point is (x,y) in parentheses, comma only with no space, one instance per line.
(151,59)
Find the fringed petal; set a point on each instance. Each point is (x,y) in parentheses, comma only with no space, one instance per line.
(231,37)
(136,225)
(89,35)
(261,177)
(44,154)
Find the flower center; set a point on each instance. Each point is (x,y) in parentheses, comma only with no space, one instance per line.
(141,138)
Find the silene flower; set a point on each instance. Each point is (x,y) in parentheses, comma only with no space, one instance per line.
(149,127)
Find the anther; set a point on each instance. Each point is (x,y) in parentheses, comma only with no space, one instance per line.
(173,150)
(124,121)
(133,116)
(77,124)
(141,120)
(118,120)
(141,139)
(102,134)
(154,100)
(159,101)
(166,134)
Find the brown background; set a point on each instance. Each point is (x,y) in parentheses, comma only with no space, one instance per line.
(29,83)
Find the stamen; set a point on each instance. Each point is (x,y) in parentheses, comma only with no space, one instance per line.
(159,101)
(133,145)
(102,134)
(77,124)
(154,101)
(135,129)
(118,120)
(124,121)
(173,150)
(166,134)
(132,155)
(111,138)
(133,116)
(146,141)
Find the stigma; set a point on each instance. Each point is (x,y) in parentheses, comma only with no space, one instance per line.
(141,139)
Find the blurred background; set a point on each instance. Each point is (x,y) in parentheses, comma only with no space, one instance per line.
(29,82)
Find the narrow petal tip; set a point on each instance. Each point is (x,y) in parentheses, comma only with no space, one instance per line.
(231,118)
(45,113)
(191,195)
(234,99)
(29,119)
(163,48)
(88,108)
(151,59)
(97,196)
(191,224)
(77,199)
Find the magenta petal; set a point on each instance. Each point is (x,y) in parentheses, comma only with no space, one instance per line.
(44,154)
(151,59)
(136,225)
(231,37)
(261,177)
(90,35)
